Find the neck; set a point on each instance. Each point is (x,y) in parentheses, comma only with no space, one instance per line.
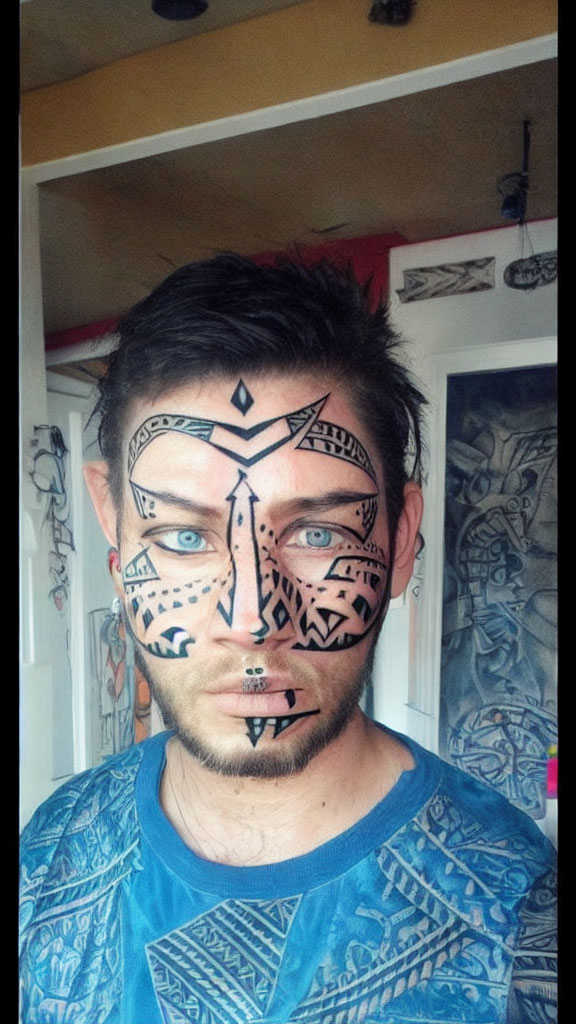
(248,821)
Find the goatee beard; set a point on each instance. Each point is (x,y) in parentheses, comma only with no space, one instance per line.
(263,764)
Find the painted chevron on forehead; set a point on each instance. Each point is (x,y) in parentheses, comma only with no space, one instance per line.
(236,442)
(248,445)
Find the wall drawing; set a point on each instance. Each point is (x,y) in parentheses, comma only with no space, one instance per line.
(532,272)
(498,674)
(120,697)
(49,477)
(447,279)
(48,473)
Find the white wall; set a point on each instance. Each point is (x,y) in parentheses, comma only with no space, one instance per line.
(498,328)
(442,332)
(35,668)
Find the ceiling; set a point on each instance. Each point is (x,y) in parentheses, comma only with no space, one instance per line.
(61,39)
(424,166)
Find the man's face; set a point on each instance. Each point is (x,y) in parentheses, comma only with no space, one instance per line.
(254,561)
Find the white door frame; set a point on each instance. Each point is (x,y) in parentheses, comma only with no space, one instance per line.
(424,684)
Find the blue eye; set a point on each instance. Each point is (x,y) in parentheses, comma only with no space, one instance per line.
(319,537)
(183,542)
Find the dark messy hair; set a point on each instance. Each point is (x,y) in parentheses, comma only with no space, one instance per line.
(231,316)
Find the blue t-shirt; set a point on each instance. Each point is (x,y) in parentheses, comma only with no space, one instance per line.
(437,906)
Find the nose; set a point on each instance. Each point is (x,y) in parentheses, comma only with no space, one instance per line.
(241,622)
(243,615)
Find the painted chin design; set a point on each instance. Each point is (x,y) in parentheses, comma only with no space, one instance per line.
(256,726)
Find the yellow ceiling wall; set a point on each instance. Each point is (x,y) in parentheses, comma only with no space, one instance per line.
(304,50)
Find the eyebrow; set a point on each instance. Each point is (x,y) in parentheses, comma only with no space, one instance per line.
(321,502)
(290,507)
(188,504)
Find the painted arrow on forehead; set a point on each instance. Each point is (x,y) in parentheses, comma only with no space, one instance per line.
(234,441)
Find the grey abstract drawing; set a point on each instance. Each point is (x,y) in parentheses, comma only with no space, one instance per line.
(532,272)
(49,478)
(49,475)
(447,279)
(498,675)
(112,684)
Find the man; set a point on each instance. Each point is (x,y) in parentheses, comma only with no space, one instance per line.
(275,856)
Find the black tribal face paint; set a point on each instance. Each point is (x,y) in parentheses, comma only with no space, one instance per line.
(261,532)
(328,613)
(256,726)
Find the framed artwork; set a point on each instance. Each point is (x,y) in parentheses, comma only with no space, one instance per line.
(119,695)
(484,685)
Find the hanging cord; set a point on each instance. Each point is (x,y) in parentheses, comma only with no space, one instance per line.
(523,227)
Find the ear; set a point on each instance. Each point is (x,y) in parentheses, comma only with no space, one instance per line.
(407,537)
(97,482)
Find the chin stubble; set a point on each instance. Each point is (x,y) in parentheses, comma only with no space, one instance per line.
(267,763)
